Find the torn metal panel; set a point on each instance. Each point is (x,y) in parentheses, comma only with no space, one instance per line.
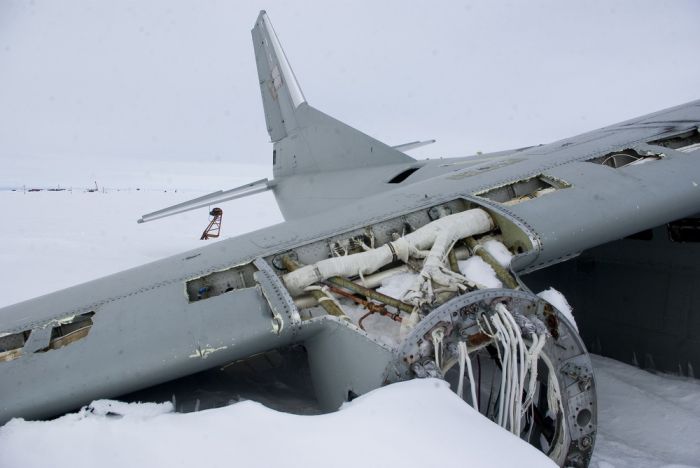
(523,190)
(626,157)
(220,282)
(686,142)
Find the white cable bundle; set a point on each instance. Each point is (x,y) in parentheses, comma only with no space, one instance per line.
(464,359)
(533,356)
(518,364)
(438,335)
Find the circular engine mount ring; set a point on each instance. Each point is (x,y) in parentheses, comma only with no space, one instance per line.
(572,426)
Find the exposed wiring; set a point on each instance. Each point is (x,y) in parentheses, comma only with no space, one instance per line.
(438,336)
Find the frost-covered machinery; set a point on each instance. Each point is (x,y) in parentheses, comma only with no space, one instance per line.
(388,269)
(455,312)
(442,305)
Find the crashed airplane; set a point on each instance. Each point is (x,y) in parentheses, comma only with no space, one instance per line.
(608,217)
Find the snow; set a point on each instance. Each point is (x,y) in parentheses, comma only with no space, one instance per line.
(498,251)
(558,300)
(397,285)
(55,239)
(645,420)
(383,329)
(479,272)
(417,423)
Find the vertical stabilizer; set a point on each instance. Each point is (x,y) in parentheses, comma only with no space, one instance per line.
(281,93)
(305,139)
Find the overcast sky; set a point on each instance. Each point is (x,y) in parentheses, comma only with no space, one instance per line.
(84,82)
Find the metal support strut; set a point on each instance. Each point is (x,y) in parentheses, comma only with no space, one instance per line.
(214,227)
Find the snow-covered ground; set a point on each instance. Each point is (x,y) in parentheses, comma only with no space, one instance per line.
(59,239)
(412,424)
(645,420)
(51,240)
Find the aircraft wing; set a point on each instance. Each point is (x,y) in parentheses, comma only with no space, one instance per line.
(603,185)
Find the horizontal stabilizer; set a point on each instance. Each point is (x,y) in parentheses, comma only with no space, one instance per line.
(413,145)
(214,197)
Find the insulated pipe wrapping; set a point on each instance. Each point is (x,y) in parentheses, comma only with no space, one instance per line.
(422,290)
(459,225)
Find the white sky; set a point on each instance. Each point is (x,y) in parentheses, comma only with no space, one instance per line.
(83,82)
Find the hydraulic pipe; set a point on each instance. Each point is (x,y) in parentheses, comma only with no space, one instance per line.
(452,258)
(370,293)
(323,300)
(375,280)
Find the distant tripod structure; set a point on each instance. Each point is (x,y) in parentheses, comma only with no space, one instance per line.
(214,228)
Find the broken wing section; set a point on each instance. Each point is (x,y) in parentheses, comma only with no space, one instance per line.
(432,293)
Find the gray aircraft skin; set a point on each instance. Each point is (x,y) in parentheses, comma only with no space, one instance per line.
(608,217)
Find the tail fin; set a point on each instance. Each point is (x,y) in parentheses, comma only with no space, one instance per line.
(305,139)
(281,93)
